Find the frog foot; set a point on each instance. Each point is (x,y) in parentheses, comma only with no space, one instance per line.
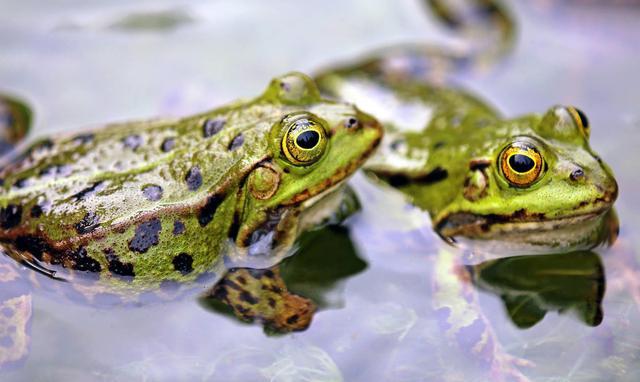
(260,295)
(15,317)
(506,367)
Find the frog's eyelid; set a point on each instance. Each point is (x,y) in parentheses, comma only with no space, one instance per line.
(580,119)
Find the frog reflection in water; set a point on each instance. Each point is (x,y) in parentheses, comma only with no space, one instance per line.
(136,211)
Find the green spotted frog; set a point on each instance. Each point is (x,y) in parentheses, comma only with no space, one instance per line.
(137,212)
(138,205)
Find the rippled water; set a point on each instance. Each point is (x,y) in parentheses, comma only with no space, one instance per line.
(382,295)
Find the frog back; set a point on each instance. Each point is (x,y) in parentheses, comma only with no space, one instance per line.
(162,200)
(145,181)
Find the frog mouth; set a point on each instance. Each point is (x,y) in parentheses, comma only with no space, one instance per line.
(314,200)
(522,229)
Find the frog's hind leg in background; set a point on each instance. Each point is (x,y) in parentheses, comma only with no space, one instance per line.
(261,295)
(15,123)
(15,291)
(15,315)
(488,33)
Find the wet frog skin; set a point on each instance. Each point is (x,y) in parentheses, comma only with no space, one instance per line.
(142,204)
(526,184)
(530,183)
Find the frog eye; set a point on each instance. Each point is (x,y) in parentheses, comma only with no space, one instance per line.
(521,164)
(581,120)
(305,139)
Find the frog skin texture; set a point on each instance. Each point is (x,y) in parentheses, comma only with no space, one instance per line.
(141,205)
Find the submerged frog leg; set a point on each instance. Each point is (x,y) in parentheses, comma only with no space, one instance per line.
(261,295)
(623,270)
(465,326)
(15,317)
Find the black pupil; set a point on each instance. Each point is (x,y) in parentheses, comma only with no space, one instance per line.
(521,163)
(583,118)
(308,139)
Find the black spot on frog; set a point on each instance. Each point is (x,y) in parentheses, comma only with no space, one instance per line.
(82,261)
(178,228)
(236,142)
(10,216)
(152,192)
(208,211)
(183,263)
(34,245)
(212,127)
(132,141)
(22,183)
(56,171)
(147,234)
(168,144)
(193,178)
(88,224)
(40,208)
(89,191)
(248,297)
(116,266)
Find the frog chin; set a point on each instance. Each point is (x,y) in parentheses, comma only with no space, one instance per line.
(530,234)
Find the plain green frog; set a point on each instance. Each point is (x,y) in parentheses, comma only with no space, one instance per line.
(527,184)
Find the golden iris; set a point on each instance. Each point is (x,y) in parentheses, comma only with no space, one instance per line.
(521,164)
(581,120)
(305,139)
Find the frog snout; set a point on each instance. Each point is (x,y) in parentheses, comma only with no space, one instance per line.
(598,177)
(609,190)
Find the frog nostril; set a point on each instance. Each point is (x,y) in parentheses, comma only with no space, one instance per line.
(577,174)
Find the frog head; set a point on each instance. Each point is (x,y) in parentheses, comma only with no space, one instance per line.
(538,183)
(313,145)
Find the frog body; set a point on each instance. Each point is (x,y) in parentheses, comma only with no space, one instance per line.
(140,204)
(526,184)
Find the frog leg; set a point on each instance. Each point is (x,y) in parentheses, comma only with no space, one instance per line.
(488,31)
(15,316)
(15,122)
(261,295)
(624,264)
(465,326)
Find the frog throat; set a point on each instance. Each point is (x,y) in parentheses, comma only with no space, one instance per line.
(528,232)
